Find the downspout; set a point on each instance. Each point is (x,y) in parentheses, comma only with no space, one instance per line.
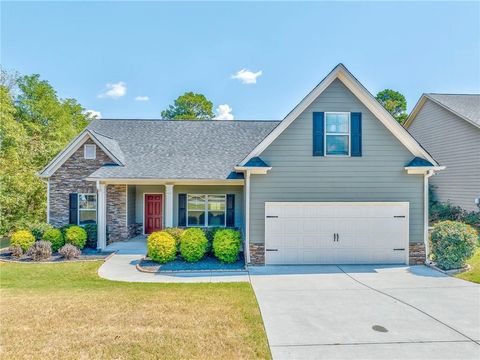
(426,176)
(247,216)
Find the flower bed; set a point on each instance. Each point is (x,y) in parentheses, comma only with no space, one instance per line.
(86,254)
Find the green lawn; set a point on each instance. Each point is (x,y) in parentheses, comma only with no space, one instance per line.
(474,274)
(65,311)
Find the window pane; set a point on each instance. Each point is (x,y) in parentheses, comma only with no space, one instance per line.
(196,218)
(196,202)
(216,203)
(216,218)
(337,123)
(337,145)
(87,201)
(87,217)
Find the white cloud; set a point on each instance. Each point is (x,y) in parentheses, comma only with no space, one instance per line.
(224,112)
(114,91)
(92,114)
(247,76)
(142,98)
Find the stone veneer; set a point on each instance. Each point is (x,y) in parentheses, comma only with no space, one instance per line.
(117,229)
(257,254)
(417,254)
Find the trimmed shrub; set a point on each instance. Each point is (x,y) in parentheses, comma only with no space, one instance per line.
(41,250)
(452,244)
(210,234)
(76,236)
(91,230)
(226,245)
(22,238)
(176,234)
(38,229)
(55,237)
(16,251)
(193,244)
(161,247)
(68,251)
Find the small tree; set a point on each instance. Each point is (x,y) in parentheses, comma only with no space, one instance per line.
(189,106)
(395,103)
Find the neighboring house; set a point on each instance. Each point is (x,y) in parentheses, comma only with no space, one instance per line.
(337,181)
(448,126)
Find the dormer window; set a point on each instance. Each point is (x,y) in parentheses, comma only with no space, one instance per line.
(90,152)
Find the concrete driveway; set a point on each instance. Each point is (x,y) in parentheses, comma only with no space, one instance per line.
(367,312)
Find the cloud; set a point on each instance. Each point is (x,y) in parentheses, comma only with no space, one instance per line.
(142,98)
(224,112)
(114,91)
(92,114)
(247,76)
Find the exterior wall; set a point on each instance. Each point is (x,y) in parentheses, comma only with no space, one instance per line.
(296,175)
(131,204)
(117,229)
(69,178)
(454,143)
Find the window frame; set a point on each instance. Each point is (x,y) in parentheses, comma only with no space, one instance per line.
(327,133)
(85,147)
(78,208)
(206,224)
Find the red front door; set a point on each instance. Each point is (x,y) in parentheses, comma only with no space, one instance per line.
(153,212)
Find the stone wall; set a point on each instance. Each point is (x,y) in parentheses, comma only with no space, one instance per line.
(417,254)
(257,254)
(117,229)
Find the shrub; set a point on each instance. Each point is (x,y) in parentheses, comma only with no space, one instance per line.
(68,251)
(210,234)
(91,230)
(55,237)
(452,244)
(176,233)
(226,245)
(193,244)
(161,247)
(446,211)
(22,238)
(16,251)
(41,250)
(77,236)
(38,229)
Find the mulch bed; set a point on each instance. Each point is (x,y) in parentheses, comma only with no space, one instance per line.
(209,263)
(87,254)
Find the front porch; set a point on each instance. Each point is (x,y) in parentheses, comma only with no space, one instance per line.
(135,245)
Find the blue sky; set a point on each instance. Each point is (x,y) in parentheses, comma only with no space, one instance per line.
(160,50)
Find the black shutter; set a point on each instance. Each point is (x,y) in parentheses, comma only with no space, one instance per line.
(356,133)
(230,210)
(182,209)
(73,209)
(318,132)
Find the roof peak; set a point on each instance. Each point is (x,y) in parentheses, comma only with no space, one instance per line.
(184,120)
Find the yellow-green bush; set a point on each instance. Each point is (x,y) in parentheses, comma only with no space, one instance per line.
(161,247)
(226,245)
(76,236)
(193,244)
(176,234)
(22,238)
(55,237)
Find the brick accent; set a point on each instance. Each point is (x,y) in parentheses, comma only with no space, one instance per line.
(417,254)
(257,254)
(117,229)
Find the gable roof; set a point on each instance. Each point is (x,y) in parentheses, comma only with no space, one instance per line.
(343,74)
(465,106)
(178,149)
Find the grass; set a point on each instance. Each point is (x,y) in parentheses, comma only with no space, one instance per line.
(474,274)
(66,311)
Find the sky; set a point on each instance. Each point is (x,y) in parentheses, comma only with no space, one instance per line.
(253,60)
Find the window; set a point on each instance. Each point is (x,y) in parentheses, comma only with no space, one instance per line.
(206,210)
(337,134)
(87,209)
(90,151)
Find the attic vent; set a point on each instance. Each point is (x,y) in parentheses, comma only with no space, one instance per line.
(90,152)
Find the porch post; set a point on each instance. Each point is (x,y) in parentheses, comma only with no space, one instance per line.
(169,205)
(101,216)
(247,216)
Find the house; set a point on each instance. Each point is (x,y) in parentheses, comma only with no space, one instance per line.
(448,126)
(338,180)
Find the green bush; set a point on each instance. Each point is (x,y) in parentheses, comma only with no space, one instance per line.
(161,247)
(176,234)
(210,234)
(22,238)
(76,236)
(91,230)
(193,244)
(446,211)
(452,244)
(38,229)
(55,237)
(226,245)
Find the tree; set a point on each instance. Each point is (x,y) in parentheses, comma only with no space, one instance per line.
(395,103)
(189,106)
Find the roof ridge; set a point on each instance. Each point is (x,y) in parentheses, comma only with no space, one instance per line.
(185,120)
(456,94)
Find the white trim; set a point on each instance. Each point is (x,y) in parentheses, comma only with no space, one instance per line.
(143,211)
(126,206)
(168,205)
(247,216)
(78,207)
(101,216)
(85,151)
(426,209)
(415,170)
(341,72)
(135,181)
(206,224)
(253,169)
(326,133)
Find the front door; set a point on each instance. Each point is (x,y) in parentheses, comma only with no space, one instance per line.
(153,212)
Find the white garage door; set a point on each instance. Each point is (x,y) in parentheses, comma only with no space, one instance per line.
(336,233)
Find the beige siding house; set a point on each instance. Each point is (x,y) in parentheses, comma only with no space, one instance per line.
(448,126)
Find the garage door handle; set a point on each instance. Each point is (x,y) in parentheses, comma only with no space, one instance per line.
(272,216)
(271,249)
(402,249)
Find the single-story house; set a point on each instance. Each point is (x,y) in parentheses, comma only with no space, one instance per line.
(337,181)
(448,126)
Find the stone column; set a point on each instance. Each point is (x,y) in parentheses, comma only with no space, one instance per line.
(169,205)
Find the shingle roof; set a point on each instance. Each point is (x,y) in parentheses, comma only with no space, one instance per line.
(467,106)
(178,149)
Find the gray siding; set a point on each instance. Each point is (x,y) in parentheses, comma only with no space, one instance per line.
(296,175)
(454,143)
